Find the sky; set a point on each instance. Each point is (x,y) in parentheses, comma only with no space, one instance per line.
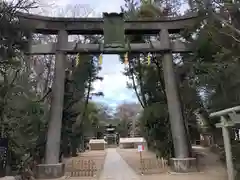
(113,85)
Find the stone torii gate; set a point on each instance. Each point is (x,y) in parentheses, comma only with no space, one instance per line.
(228,118)
(115,25)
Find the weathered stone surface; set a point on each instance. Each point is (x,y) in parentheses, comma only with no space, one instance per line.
(49,171)
(133,142)
(97,144)
(51,25)
(73,48)
(183,165)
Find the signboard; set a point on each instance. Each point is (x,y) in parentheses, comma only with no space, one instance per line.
(3,156)
(114,32)
(140,148)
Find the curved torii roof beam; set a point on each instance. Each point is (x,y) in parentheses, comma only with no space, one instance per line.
(51,25)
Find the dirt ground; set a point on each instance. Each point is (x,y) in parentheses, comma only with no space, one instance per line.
(193,176)
(211,167)
(91,155)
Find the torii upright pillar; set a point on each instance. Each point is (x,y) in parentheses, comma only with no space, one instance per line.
(52,168)
(181,162)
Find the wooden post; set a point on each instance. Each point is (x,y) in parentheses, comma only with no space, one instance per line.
(141,162)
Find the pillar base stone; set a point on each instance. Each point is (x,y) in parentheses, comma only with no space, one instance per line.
(49,171)
(183,165)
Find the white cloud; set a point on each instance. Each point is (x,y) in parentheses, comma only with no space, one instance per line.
(114,82)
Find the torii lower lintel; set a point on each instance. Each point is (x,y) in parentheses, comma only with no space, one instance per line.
(73,48)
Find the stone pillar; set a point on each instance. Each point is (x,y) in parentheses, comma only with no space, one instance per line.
(228,149)
(181,162)
(52,168)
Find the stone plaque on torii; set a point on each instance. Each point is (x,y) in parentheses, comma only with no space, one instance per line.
(114,28)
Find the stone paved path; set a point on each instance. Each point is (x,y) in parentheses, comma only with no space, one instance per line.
(115,168)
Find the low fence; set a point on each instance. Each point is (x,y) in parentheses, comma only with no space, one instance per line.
(148,165)
(86,167)
(152,165)
(145,164)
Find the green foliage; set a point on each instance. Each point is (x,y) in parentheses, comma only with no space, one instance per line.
(152,121)
(216,64)
(22,116)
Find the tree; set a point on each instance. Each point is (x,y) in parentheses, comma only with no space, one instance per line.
(78,85)
(22,111)
(215,59)
(127,114)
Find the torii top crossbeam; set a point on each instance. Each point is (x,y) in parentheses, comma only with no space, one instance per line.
(51,25)
(119,27)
